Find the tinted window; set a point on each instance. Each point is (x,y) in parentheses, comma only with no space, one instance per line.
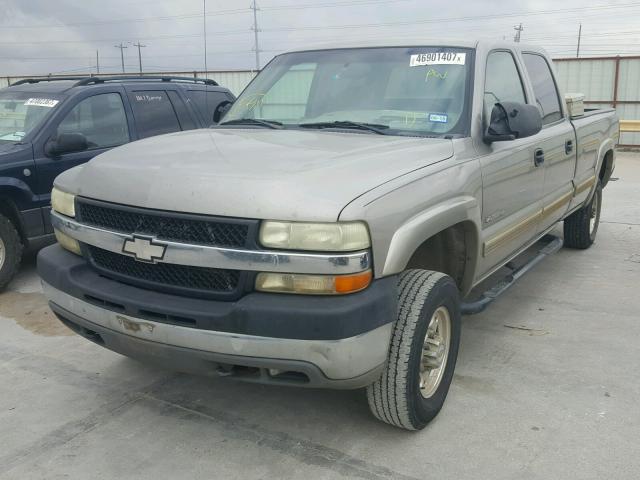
(206,102)
(154,113)
(544,87)
(100,118)
(502,81)
(186,121)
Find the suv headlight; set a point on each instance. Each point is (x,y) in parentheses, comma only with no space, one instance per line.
(321,237)
(63,202)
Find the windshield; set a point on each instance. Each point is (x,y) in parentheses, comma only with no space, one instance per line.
(406,91)
(21,113)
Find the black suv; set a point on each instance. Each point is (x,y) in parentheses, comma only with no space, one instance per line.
(48,126)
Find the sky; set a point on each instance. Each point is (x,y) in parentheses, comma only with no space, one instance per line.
(62,36)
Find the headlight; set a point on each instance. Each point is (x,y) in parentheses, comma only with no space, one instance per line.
(63,202)
(325,237)
(313,284)
(67,242)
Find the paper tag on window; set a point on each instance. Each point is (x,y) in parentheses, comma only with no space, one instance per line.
(438,58)
(41,102)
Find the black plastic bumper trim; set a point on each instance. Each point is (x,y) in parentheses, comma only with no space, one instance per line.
(301,317)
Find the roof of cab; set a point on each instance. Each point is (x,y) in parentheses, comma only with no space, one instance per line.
(420,41)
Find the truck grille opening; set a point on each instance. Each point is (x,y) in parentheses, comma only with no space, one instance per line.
(179,279)
(176,227)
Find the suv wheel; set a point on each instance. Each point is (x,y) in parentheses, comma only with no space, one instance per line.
(423,351)
(580,227)
(10,251)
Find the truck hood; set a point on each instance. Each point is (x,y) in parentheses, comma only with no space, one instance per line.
(252,173)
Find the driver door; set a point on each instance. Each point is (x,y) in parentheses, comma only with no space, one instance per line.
(101,118)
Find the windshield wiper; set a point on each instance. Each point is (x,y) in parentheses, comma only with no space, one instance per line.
(371,127)
(254,121)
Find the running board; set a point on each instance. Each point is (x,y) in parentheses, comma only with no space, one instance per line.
(471,308)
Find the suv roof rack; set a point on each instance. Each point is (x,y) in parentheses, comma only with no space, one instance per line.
(80,81)
(94,80)
(44,79)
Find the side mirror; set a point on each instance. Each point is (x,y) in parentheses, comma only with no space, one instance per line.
(511,120)
(221,110)
(66,143)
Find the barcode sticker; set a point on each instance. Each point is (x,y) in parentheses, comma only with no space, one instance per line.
(41,102)
(438,58)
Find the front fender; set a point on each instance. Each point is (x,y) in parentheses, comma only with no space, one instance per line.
(17,191)
(406,240)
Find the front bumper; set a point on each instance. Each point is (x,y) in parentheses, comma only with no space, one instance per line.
(335,342)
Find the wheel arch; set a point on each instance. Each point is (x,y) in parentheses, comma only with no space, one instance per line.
(445,238)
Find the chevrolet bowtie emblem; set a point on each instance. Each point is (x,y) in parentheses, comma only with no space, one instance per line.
(144,249)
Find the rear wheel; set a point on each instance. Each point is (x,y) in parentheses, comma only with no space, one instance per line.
(423,351)
(581,227)
(10,251)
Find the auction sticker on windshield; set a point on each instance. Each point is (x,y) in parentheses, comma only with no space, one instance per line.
(437,58)
(41,102)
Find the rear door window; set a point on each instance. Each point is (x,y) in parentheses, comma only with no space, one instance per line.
(184,116)
(206,103)
(544,87)
(154,113)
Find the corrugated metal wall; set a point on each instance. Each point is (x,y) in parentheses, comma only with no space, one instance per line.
(596,78)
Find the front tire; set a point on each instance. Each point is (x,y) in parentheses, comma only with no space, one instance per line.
(10,251)
(581,227)
(422,354)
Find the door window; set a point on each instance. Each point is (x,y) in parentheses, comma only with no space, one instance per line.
(544,87)
(154,113)
(101,119)
(502,81)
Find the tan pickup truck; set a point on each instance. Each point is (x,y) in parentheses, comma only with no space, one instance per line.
(328,231)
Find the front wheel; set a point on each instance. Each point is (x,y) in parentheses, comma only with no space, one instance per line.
(422,354)
(580,227)
(10,251)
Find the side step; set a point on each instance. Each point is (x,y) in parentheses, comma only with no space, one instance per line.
(552,246)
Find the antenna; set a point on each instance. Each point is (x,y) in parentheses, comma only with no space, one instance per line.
(255,29)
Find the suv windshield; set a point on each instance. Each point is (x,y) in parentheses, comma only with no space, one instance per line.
(21,113)
(393,91)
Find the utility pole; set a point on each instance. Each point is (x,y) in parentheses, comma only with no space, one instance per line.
(139,54)
(121,47)
(579,38)
(97,63)
(204,26)
(255,9)
(518,29)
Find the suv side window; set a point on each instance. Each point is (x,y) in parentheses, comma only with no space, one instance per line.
(206,102)
(100,118)
(544,87)
(154,113)
(502,81)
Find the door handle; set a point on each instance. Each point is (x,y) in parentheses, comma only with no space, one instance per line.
(538,157)
(568,147)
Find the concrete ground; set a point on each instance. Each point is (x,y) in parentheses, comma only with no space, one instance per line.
(547,386)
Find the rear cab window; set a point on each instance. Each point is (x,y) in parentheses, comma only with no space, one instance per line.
(544,87)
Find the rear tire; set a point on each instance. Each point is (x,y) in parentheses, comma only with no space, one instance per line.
(581,227)
(412,388)
(10,251)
